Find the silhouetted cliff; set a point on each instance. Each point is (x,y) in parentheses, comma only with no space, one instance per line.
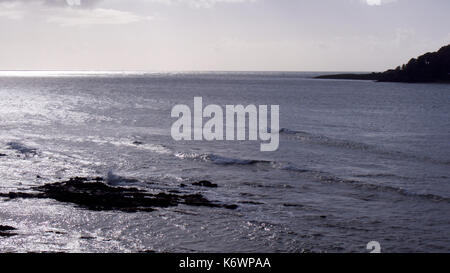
(430,67)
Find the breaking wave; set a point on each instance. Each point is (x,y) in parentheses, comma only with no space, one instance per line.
(115,180)
(220,160)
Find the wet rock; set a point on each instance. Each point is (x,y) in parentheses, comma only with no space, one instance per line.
(94,194)
(57,232)
(98,179)
(205,183)
(6,228)
(198,200)
(7,234)
(5,231)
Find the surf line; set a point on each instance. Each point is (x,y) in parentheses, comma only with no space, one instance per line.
(235,123)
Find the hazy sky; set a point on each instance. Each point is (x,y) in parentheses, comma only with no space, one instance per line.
(155,35)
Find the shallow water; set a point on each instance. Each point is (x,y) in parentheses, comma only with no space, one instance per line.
(358,161)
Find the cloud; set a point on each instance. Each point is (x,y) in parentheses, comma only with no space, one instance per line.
(67,12)
(200,3)
(97,16)
(57,3)
(85,12)
(378,2)
(210,3)
(9,10)
(90,3)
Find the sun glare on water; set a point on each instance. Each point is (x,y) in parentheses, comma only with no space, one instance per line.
(31,73)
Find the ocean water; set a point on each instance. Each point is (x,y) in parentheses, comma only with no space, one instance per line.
(358,161)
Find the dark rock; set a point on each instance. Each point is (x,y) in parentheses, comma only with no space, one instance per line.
(95,195)
(7,234)
(198,200)
(1,155)
(205,183)
(233,206)
(38,177)
(6,228)
(183,185)
(5,231)
(56,232)
(87,238)
(138,142)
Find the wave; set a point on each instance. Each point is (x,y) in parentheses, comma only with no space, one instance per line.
(353,145)
(288,166)
(292,132)
(217,159)
(221,160)
(115,180)
(383,188)
(383,175)
(324,140)
(22,148)
(155,148)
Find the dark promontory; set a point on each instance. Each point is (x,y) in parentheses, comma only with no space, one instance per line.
(430,67)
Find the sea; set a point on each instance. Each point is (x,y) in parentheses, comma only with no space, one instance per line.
(358,161)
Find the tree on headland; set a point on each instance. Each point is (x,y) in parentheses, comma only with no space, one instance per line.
(430,67)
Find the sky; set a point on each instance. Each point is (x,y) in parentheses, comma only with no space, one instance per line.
(219,35)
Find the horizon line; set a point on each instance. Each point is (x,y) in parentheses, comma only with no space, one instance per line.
(185,71)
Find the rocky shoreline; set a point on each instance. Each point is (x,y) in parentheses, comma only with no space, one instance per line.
(94,194)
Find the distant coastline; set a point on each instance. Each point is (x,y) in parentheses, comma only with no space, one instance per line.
(429,68)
